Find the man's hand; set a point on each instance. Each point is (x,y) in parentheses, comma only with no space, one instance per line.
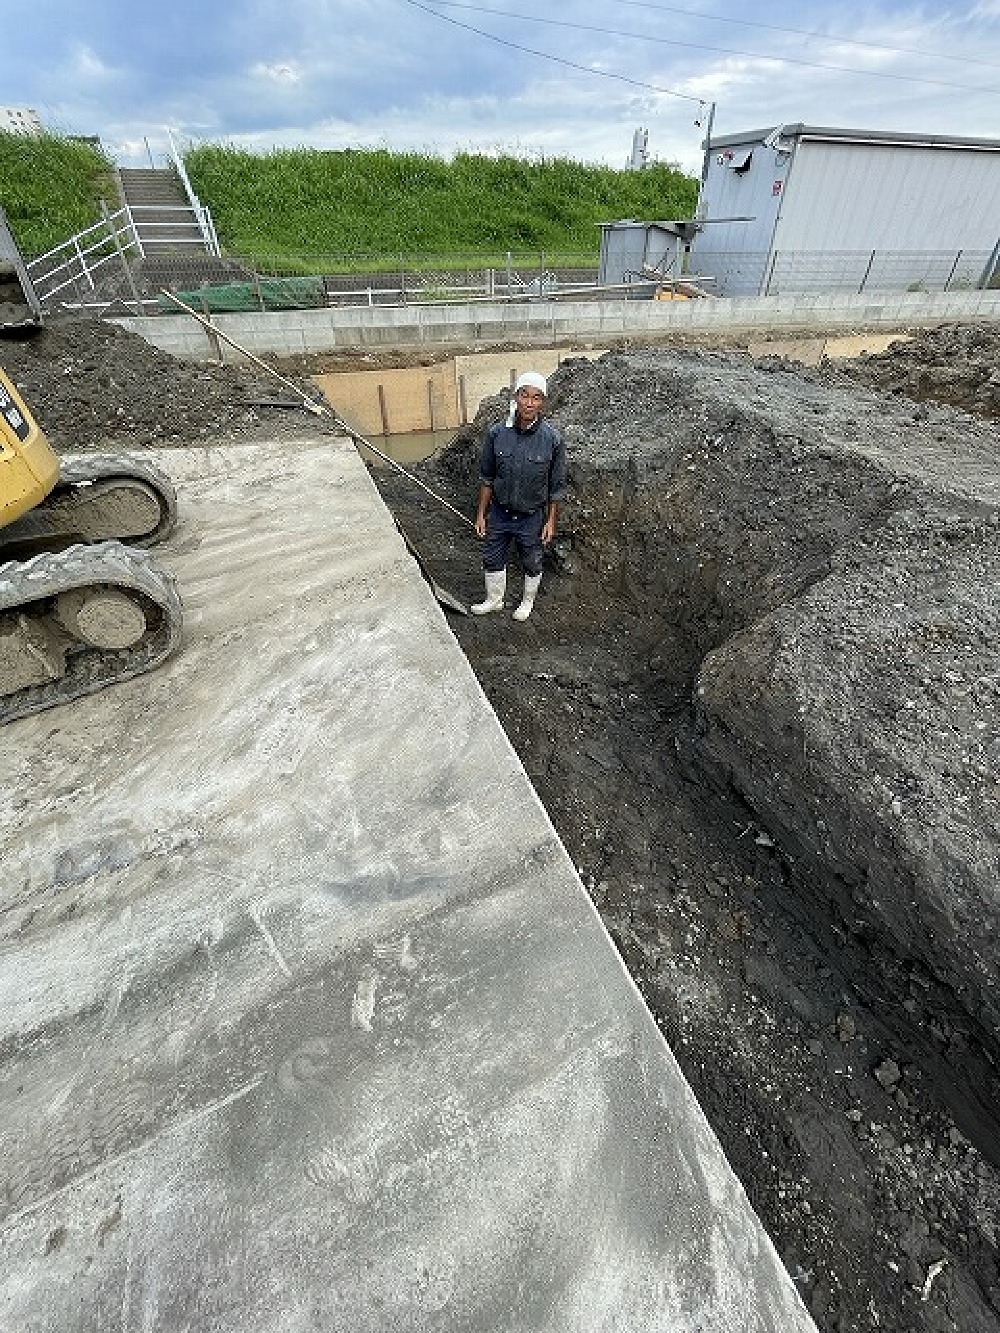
(483,508)
(549,530)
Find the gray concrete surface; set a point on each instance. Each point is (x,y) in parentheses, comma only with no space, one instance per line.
(307,1021)
(543,322)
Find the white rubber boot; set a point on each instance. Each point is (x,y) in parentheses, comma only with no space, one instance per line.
(531,582)
(496,586)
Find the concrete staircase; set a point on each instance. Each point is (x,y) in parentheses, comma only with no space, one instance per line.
(178,245)
(159,237)
(161,211)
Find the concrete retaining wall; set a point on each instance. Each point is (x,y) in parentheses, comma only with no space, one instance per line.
(544,322)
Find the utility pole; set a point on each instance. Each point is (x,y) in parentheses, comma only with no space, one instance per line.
(705,155)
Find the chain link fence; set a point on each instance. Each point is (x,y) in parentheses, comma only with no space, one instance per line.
(801,272)
(423,278)
(214,284)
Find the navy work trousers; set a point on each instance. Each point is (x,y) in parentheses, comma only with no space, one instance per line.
(504,526)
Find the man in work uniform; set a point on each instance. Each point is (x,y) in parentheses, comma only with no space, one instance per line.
(522,478)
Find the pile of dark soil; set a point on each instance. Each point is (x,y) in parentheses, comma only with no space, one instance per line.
(94,385)
(697,701)
(954,364)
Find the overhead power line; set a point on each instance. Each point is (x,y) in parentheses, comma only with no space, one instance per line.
(805,32)
(664,41)
(547,55)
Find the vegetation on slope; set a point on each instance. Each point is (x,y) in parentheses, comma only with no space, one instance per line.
(352,203)
(354,208)
(51,187)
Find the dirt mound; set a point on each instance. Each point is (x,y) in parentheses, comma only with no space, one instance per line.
(92,385)
(956,364)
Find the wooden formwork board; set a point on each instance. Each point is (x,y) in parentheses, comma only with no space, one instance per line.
(436,397)
(394,402)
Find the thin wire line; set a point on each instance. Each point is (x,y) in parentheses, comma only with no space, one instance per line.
(559,60)
(667,41)
(805,32)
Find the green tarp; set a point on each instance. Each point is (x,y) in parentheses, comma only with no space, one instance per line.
(261,294)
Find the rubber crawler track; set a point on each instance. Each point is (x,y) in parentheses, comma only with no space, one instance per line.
(107,564)
(87,468)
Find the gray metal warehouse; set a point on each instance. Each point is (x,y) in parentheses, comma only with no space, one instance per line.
(800,208)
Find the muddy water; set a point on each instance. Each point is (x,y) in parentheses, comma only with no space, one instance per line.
(411,448)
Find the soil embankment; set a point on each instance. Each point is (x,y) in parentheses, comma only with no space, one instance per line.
(758,697)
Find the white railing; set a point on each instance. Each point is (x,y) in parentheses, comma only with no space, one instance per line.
(76,263)
(203,216)
(181,224)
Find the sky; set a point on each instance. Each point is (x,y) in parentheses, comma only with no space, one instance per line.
(573,79)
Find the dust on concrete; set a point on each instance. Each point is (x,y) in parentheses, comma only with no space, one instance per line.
(751,698)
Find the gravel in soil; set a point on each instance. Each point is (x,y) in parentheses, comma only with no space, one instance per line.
(883,1209)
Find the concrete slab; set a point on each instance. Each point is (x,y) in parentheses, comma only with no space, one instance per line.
(307,1022)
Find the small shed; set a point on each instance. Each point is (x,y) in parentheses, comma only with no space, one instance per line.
(641,255)
(801,208)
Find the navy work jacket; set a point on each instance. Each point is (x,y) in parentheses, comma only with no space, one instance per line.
(526,468)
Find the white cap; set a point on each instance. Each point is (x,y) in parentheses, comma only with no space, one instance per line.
(532,380)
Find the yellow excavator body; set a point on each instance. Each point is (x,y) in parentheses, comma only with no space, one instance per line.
(80,607)
(29,466)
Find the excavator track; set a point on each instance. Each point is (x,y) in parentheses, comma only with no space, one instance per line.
(97,498)
(58,609)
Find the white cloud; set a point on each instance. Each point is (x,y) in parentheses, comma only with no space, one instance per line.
(86,65)
(355,73)
(277,73)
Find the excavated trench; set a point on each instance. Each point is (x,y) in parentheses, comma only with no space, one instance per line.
(688,572)
(766,630)
(681,601)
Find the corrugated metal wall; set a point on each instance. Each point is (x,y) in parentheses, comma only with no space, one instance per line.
(839,214)
(867,196)
(740,184)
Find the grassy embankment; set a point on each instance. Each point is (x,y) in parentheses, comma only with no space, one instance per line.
(312,211)
(51,187)
(369,209)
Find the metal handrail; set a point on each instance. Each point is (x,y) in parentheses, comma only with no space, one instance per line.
(117,235)
(72,257)
(145,242)
(200,212)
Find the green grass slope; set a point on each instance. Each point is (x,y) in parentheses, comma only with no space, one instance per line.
(51,187)
(376,203)
(313,210)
